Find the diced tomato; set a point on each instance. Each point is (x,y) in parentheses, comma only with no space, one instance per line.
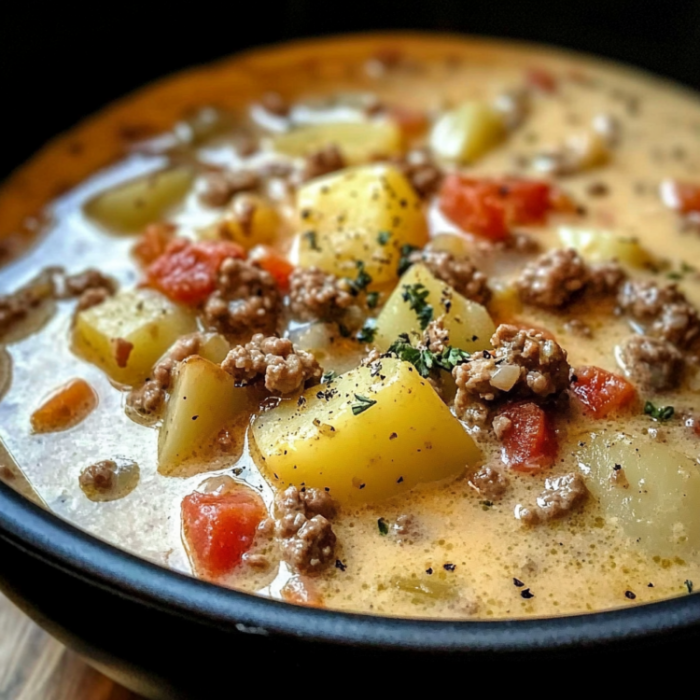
(529,442)
(601,392)
(277,265)
(541,79)
(219,528)
(681,196)
(490,207)
(186,272)
(301,590)
(153,242)
(412,122)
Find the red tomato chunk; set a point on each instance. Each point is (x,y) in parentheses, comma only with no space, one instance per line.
(219,528)
(277,265)
(681,196)
(601,392)
(489,208)
(187,271)
(529,442)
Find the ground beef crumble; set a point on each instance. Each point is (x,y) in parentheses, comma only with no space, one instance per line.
(540,368)
(652,363)
(489,482)
(459,273)
(149,397)
(324,161)
(559,276)
(560,496)
(315,295)
(284,368)
(221,186)
(665,311)
(302,524)
(420,170)
(246,299)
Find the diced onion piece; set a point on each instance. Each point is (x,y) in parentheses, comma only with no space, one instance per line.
(505,377)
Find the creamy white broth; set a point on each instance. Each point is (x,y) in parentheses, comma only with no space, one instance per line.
(580,563)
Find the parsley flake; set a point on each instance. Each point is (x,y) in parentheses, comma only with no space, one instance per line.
(689,585)
(662,413)
(312,239)
(424,360)
(329,376)
(361,404)
(367,333)
(404,260)
(383,237)
(383,526)
(372,299)
(362,281)
(416,296)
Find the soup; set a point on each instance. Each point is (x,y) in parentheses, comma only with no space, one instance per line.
(400,325)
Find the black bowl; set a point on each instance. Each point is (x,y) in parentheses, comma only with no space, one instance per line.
(167,635)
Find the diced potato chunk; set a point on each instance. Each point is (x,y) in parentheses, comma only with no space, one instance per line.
(214,347)
(367,438)
(598,245)
(129,207)
(247,230)
(126,334)
(357,141)
(342,216)
(654,494)
(467,132)
(203,401)
(469,324)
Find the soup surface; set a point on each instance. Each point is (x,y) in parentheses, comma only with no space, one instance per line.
(403,325)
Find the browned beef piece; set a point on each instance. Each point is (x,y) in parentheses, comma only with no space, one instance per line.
(489,482)
(283,368)
(323,162)
(302,523)
(665,311)
(246,299)
(523,363)
(560,496)
(652,363)
(554,279)
(315,295)
(459,273)
(221,186)
(421,171)
(149,397)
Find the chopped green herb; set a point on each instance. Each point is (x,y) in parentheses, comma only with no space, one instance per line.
(674,276)
(424,360)
(383,526)
(404,260)
(328,377)
(372,299)
(383,237)
(367,332)
(416,295)
(662,413)
(486,504)
(312,239)
(689,585)
(362,281)
(361,404)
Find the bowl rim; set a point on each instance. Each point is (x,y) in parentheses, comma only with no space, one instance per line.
(59,544)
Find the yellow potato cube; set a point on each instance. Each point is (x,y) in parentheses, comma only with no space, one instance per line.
(651,490)
(467,132)
(131,206)
(362,214)
(599,245)
(469,324)
(357,141)
(126,334)
(204,400)
(367,438)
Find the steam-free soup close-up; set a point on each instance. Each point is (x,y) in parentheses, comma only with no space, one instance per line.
(399,325)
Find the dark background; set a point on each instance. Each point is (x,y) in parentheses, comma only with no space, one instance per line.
(59,62)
